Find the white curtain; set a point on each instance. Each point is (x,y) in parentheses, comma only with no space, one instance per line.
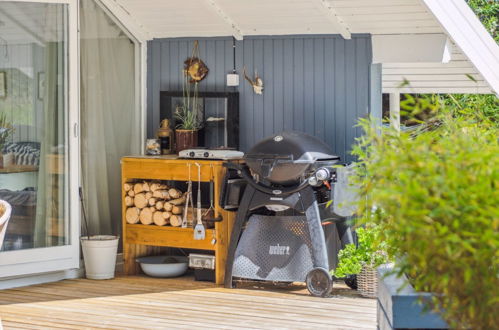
(50,227)
(110,120)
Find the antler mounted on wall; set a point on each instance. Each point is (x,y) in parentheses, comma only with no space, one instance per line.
(257,84)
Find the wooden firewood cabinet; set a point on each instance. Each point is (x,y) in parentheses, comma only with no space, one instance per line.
(141,240)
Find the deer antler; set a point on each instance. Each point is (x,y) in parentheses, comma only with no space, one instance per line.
(257,84)
(246,77)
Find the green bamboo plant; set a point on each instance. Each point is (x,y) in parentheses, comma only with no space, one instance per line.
(434,193)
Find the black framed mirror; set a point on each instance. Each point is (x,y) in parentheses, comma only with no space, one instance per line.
(220,114)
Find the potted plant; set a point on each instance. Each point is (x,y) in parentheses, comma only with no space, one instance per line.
(188,113)
(362,259)
(6,130)
(99,251)
(187,116)
(437,206)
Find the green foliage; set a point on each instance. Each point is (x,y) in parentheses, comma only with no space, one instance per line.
(488,105)
(488,13)
(188,112)
(369,252)
(436,193)
(6,130)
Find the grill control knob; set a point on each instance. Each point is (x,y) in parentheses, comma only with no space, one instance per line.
(206,154)
(313,181)
(322,174)
(192,154)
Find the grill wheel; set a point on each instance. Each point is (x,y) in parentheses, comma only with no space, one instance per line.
(319,282)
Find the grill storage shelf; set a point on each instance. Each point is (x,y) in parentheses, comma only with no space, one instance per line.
(142,240)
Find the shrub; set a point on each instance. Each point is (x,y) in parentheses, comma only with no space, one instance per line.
(436,194)
(352,258)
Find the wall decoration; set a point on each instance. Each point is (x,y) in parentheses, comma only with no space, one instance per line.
(194,67)
(3,84)
(257,84)
(41,85)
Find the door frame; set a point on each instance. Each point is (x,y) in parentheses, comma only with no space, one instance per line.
(140,36)
(63,258)
(51,259)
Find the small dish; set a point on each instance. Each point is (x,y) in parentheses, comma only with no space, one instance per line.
(164,266)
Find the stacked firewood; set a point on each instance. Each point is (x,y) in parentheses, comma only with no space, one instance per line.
(153,203)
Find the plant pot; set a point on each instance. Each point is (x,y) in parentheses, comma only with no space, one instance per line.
(99,254)
(367,282)
(6,160)
(185,139)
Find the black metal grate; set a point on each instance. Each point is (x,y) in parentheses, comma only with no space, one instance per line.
(274,248)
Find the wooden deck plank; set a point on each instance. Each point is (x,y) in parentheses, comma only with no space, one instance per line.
(138,302)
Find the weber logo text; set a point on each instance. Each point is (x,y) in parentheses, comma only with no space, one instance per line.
(279,250)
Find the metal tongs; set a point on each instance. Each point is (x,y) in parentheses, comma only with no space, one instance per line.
(199,231)
(188,198)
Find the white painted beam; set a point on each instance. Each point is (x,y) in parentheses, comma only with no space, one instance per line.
(335,19)
(462,25)
(395,110)
(129,23)
(234,28)
(411,48)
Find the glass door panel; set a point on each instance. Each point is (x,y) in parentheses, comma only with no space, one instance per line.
(34,125)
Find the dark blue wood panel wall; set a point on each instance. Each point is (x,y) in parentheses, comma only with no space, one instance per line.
(317,84)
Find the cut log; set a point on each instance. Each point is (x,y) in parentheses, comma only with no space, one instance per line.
(145,186)
(157,186)
(145,216)
(140,200)
(148,195)
(152,201)
(128,201)
(161,194)
(154,186)
(178,201)
(177,209)
(168,206)
(132,215)
(160,205)
(127,186)
(167,215)
(174,193)
(131,193)
(137,188)
(175,220)
(160,219)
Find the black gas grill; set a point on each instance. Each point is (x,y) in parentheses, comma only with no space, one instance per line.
(278,234)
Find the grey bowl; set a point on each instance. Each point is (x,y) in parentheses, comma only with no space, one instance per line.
(164,266)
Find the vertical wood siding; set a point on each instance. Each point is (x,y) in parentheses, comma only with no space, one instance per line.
(316,84)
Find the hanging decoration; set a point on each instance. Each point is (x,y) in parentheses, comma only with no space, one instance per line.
(257,83)
(194,67)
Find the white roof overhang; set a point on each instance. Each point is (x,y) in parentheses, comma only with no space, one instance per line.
(467,61)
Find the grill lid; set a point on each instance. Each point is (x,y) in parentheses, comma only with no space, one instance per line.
(283,158)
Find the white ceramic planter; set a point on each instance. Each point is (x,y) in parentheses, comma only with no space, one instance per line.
(99,254)
(4,220)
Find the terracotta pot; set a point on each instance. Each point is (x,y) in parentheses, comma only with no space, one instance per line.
(185,139)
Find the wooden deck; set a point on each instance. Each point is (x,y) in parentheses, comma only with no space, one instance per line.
(137,302)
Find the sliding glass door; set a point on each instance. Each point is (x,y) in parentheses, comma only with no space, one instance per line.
(39,172)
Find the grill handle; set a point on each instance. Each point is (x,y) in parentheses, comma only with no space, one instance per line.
(243,170)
